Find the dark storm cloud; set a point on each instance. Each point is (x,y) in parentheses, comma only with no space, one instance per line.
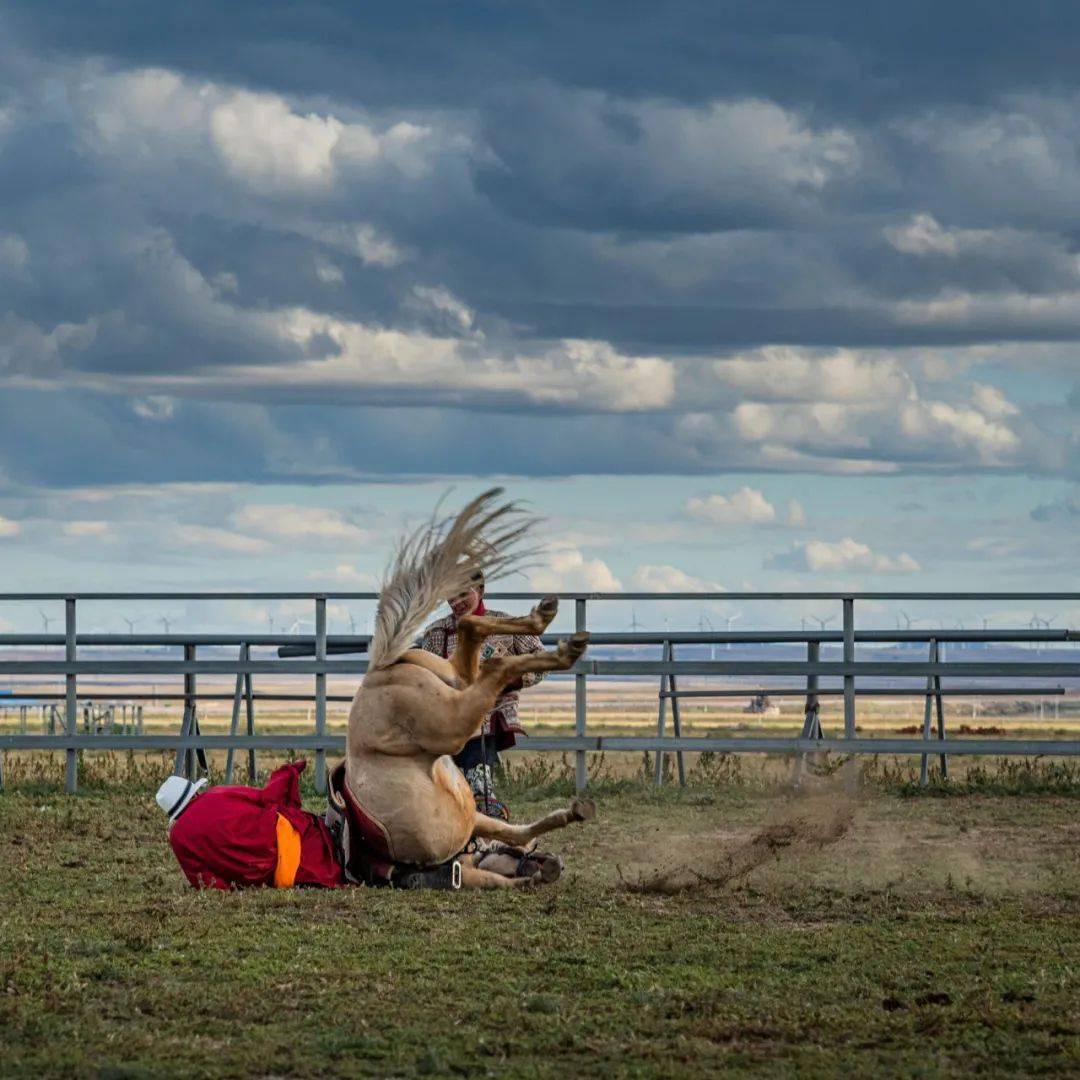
(104,441)
(843,57)
(200,204)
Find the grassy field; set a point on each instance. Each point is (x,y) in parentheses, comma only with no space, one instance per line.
(939,936)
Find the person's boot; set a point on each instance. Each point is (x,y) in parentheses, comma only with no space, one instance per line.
(445,876)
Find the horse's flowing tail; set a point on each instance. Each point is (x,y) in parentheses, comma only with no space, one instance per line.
(439,560)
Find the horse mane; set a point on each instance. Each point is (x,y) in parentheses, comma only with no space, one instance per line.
(439,560)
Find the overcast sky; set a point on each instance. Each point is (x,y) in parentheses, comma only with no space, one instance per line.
(754,296)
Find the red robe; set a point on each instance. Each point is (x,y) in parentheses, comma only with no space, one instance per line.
(234,837)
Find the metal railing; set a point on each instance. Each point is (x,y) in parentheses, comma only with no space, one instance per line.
(190,744)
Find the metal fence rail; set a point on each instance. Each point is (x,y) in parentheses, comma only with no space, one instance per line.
(190,744)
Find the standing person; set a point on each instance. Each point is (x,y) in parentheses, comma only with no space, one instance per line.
(501,726)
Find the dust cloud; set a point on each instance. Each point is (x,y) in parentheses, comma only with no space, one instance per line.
(805,826)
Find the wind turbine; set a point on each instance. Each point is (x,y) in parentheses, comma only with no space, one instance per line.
(1037,623)
(823,622)
(270,621)
(166,622)
(705,623)
(130,624)
(46,619)
(731,619)
(352,623)
(635,626)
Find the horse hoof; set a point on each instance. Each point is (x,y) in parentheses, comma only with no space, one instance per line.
(545,867)
(582,809)
(551,869)
(548,608)
(572,648)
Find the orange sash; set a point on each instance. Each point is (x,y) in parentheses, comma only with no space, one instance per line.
(288,854)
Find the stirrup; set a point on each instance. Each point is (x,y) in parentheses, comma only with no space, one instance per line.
(445,876)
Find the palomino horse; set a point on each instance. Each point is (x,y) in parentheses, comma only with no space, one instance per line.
(414,710)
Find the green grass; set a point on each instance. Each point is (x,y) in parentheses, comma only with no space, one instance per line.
(939,937)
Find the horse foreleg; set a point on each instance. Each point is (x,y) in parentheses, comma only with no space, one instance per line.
(490,828)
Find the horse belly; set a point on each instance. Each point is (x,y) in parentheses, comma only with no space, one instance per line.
(442,822)
(426,807)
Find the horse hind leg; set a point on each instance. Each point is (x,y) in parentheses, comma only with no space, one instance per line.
(536,622)
(472,629)
(489,828)
(507,669)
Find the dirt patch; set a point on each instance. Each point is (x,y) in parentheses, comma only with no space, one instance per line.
(806,826)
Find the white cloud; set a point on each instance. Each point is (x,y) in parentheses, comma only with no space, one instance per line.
(85,528)
(991,401)
(291,522)
(357,239)
(666,578)
(745,506)
(206,538)
(568,570)
(873,435)
(782,373)
(728,160)
(347,576)
(796,514)
(9,528)
(443,301)
(154,407)
(268,146)
(380,364)
(997,547)
(14,253)
(822,556)
(329,273)
(992,441)
(922,235)
(154,118)
(374,248)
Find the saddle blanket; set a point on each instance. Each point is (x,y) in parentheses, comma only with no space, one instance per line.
(235,837)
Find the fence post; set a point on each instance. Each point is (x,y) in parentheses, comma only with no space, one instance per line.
(320,692)
(676,719)
(249,709)
(928,714)
(811,728)
(941,724)
(661,716)
(580,773)
(924,773)
(71,779)
(184,764)
(235,722)
(849,686)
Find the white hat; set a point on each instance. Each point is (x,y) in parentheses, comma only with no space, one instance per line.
(176,793)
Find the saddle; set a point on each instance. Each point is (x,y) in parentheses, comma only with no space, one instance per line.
(363,848)
(362,841)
